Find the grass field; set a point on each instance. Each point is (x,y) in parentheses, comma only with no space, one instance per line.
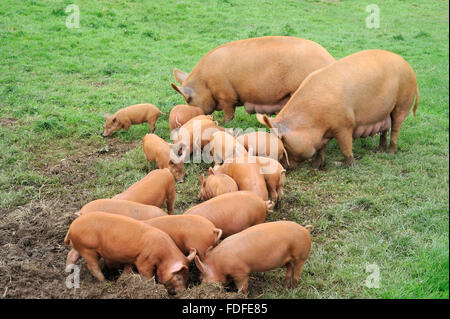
(56,83)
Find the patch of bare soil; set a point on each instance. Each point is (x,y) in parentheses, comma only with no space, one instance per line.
(7,121)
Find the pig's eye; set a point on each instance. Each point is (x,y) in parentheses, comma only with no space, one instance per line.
(189,99)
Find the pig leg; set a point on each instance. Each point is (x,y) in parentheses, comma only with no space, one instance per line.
(319,161)
(289,275)
(91,258)
(298,267)
(228,111)
(345,141)
(272,189)
(126,125)
(397,119)
(72,257)
(170,201)
(241,282)
(152,126)
(383,142)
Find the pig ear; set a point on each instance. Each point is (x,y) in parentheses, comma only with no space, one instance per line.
(178,266)
(107,116)
(114,119)
(180,90)
(200,265)
(211,171)
(264,120)
(192,254)
(218,233)
(179,75)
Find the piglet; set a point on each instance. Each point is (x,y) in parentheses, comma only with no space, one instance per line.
(215,185)
(134,114)
(157,150)
(233,212)
(120,239)
(154,189)
(259,248)
(188,231)
(224,146)
(180,114)
(274,176)
(122,207)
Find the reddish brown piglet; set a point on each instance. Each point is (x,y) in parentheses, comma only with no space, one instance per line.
(157,188)
(180,114)
(123,240)
(215,185)
(134,114)
(259,248)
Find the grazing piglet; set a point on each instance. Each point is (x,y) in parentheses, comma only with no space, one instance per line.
(224,147)
(154,189)
(259,73)
(233,212)
(134,114)
(157,150)
(180,114)
(363,94)
(274,175)
(257,249)
(198,131)
(188,231)
(246,174)
(123,240)
(122,207)
(215,185)
(264,144)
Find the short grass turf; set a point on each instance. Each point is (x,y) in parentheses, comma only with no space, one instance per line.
(56,83)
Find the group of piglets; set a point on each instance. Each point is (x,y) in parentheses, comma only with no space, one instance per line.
(226,235)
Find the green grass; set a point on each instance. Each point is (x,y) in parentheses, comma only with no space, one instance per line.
(388,210)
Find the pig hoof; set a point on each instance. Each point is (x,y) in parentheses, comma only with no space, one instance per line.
(392,149)
(349,161)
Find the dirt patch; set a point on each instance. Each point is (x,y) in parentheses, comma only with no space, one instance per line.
(7,121)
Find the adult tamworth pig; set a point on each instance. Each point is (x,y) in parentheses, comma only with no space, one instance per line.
(259,248)
(246,173)
(154,189)
(123,240)
(134,114)
(122,207)
(233,212)
(362,94)
(215,185)
(197,131)
(224,146)
(264,144)
(259,73)
(180,114)
(188,231)
(157,150)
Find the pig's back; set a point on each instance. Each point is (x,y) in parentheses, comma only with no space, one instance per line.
(364,86)
(123,207)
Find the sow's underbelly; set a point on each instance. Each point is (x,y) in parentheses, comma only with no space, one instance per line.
(265,108)
(372,129)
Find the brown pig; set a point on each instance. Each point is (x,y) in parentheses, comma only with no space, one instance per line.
(154,189)
(134,114)
(157,150)
(259,248)
(197,131)
(123,240)
(363,94)
(264,144)
(233,212)
(180,114)
(122,207)
(247,175)
(215,185)
(260,73)
(224,145)
(188,231)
